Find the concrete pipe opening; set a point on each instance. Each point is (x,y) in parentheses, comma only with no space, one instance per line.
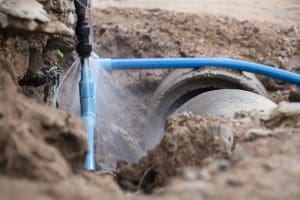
(183,85)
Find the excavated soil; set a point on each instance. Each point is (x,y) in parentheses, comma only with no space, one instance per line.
(37,142)
(247,157)
(185,143)
(247,153)
(156,33)
(275,11)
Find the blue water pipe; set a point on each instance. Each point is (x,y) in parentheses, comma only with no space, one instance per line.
(181,63)
(88,112)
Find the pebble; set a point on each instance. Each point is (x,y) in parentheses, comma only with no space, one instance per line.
(236,181)
(223,165)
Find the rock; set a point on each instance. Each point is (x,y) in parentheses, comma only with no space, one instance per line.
(30,16)
(236,181)
(28,10)
(285,115)
(223,165)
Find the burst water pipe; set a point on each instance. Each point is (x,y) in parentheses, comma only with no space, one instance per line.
(180,63)
(87,83)
(88,112)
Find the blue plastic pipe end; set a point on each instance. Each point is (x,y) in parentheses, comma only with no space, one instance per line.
(88,112)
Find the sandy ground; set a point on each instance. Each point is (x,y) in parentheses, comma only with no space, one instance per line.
(275,11)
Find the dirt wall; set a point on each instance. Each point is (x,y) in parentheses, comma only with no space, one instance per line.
(27,50)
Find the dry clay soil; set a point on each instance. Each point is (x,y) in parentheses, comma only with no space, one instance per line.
(275,11)
(248,157)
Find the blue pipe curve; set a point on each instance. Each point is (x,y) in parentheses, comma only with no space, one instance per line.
(180,63)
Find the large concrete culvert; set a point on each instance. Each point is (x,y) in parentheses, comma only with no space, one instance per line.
(244,90)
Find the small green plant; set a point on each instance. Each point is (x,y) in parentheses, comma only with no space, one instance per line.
(59,53)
